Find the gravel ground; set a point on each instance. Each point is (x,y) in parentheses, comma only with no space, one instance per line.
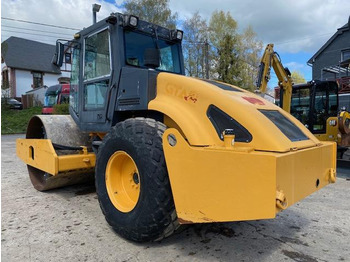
(67,225)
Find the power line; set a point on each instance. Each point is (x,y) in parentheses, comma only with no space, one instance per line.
(35,23)
(210,45)
(30,33)
(35,30)
(41,39)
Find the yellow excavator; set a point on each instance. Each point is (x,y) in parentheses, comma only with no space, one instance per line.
(166,149)
(315,103)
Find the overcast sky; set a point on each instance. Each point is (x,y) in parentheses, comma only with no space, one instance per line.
(298,28)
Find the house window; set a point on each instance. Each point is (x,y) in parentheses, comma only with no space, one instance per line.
(345,55)
(37,79)
(5,79)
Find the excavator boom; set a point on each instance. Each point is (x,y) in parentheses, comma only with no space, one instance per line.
(271,59)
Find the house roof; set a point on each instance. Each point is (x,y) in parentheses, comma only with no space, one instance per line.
(340,31)
(30,55)
(36,89)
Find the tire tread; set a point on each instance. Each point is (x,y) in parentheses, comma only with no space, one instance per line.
(159,219)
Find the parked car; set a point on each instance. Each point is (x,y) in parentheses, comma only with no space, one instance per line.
(14,104)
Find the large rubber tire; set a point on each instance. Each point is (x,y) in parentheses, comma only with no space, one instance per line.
(153,217)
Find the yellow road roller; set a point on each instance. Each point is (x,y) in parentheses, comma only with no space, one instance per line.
(166,149)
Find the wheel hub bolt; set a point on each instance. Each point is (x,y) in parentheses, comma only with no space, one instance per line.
(135,177)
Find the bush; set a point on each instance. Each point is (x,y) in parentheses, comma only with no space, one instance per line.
(4,105)
(61,109)
(16,121)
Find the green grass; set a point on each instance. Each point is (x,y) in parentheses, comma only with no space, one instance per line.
(16,121)
(61,109)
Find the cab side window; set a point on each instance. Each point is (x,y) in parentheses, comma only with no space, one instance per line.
(97,69)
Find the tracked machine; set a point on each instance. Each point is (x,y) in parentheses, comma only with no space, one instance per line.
(315,103)
(166,149)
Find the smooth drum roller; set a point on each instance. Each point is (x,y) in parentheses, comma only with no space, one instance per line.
(66,138)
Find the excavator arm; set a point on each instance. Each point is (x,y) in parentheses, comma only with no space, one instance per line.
(271,59)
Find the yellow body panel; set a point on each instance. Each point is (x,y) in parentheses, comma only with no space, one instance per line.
(331,131)
(303,172)
(39,153)
(186,100)
(230,184)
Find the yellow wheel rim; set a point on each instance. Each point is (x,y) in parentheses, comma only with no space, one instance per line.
(122,181)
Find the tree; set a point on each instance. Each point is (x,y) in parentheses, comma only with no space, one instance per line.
(228,64)
(225,43)
(154,11)
(250,54)
(298,77)
(221,24)
(4,82)
(195,46)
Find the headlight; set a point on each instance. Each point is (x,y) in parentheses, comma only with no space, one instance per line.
(177,35)
(131,21)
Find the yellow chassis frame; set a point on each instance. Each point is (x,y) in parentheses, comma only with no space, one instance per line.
(232,183)
(41,154)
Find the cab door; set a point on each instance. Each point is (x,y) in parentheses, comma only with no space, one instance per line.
(325,105)
(97,68)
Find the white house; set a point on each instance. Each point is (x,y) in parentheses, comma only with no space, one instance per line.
(38,95)
(27,65)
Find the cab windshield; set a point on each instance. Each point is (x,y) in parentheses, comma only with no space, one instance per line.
(50,100)
(136,44)
(314,104)
(300,106)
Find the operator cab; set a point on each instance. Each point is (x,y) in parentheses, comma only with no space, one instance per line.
(115,63)
(313,103)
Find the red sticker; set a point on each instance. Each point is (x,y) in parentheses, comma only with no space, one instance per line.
(191,98)
(254,100)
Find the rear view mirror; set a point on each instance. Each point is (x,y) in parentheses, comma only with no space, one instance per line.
(58,57)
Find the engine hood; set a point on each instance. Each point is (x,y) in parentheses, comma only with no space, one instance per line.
(186,103)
